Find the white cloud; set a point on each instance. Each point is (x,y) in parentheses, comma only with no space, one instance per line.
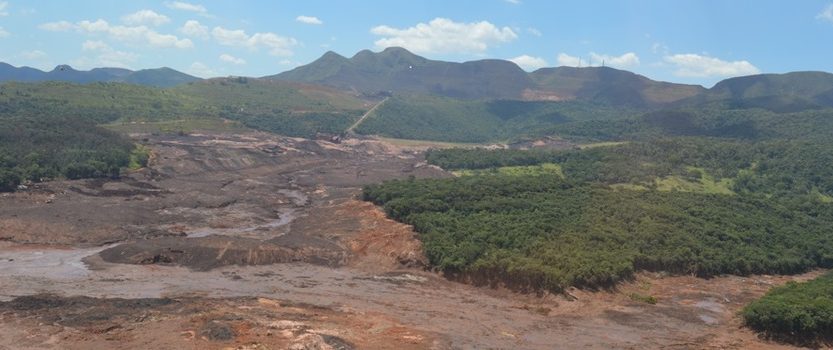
(105,56)
(231,59)
(3,33)
(534,31)
(442,35)
(276,44)
(193,28)
(3,6)
(60,26)
(513,2)
(529,63)
(201,70)
(33,55)
(700,66)
(99,25)
(91,45)
(185,6)
(145,17)
(129,34)
(568,61)
(308,20)
(626,60)
(659,48)
(826,14)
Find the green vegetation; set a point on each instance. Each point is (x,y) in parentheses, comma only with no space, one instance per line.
(648,299)
(446,119)
(797,312)
(42,147)
(542,232)
(781,168)
(521,170)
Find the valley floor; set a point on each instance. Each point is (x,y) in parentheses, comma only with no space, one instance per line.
(255,241)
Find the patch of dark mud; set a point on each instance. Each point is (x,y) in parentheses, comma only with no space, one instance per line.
(337,343)
(82,311)
(206,253)
(218,331)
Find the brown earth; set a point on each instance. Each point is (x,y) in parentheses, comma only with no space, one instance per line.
(255,241)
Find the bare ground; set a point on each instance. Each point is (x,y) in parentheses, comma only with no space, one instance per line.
(256,241)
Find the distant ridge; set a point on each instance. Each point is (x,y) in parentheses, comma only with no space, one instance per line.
(788,92)
(159,77)
(399,71)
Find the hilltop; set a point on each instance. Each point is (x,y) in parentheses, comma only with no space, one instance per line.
(159,77)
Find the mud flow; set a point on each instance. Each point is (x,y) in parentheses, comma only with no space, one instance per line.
(255,241)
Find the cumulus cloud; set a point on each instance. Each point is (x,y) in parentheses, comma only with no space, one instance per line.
(700,66)
(626,60)
(3,6)
(534,31)
(567,60)
(442,35)
(185,6)
(60,26)
(231,59)
(3,33)
(193,28)
(308,20)
(33,55)
(826,14)
(145,17)
(93,45)
(529,63)
(133,34)
(105,56)
(201,70)
(276,45)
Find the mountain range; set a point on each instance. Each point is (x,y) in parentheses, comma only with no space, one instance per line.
(159,77)
(397,71)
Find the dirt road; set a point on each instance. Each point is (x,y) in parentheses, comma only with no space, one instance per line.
(259,242)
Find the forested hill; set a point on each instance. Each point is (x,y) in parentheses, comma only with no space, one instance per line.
(160,77)
(396,70)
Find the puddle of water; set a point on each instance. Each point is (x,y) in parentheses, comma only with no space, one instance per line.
(50,263)
(285,217)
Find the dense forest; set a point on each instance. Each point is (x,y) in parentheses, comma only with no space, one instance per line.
(37,147)
(780,167)
(800,313)
(542,232)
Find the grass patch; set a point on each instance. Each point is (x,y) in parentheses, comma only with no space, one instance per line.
(602,144)
(428,143)
(139,157)
(175,126)
(647,299)
(528,170)
(697,180)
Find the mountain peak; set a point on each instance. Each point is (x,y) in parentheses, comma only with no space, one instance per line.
(63,68)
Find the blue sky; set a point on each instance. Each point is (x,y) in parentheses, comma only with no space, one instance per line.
(698,42)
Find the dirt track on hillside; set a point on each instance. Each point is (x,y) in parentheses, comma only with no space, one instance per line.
(257,241)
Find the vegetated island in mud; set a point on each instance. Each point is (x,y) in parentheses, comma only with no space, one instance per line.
(260,241)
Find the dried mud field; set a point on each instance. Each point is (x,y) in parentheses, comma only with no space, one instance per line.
(255,241)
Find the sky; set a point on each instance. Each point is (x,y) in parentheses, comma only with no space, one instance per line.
(686,41)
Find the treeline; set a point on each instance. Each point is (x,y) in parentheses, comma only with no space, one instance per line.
(543,233)
(778,167)
(36,148)
(296,124)
(800,313)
